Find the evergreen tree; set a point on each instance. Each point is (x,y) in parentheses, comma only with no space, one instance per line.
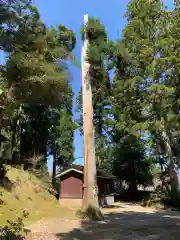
(99,54)
(34,82)
(146,36)
(131,165)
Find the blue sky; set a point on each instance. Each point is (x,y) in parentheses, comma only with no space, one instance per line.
(70,13)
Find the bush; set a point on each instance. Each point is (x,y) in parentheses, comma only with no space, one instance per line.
(15,230)
(153,199)
(171,198)
(52,191)
(164,196)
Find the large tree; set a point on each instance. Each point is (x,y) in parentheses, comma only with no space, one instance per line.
(35,81)
(98,56)
(97,87)
(148,37)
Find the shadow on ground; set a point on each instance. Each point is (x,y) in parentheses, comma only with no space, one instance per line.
(112,207)
(128,226)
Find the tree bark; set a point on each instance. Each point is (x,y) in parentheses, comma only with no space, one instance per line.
(90,203)
(170,161)
(133,189)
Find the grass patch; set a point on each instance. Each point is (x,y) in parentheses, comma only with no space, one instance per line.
(28,193)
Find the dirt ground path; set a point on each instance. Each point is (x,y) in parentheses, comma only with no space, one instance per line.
(126,222)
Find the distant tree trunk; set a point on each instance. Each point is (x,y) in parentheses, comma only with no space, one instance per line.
(90,204)
(54,170)
(133,189)
(170,162)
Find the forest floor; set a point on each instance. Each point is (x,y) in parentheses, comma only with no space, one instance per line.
(124,222)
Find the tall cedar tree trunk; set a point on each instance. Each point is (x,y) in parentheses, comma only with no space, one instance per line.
(170,162)
(90,203)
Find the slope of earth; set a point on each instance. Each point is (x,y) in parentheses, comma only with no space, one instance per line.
(127,222)
(23,190)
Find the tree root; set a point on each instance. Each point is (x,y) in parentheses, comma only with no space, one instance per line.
(92,212)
